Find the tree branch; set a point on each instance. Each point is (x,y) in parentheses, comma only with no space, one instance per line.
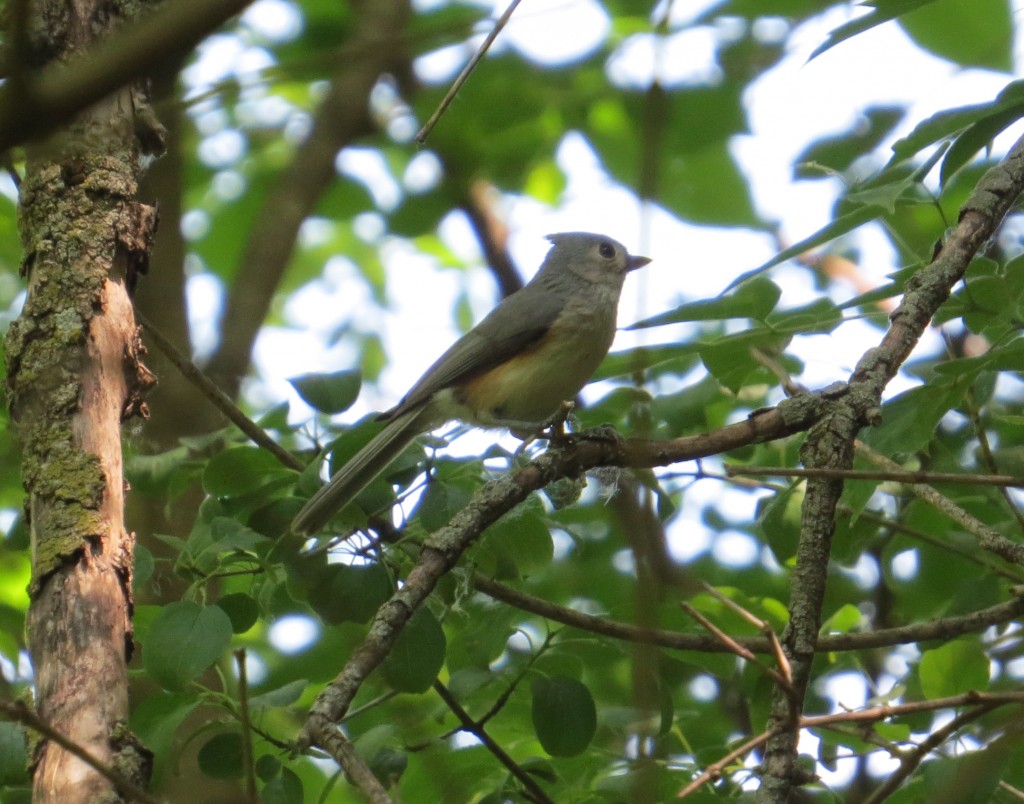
(62,91)
(910,761)
(191,372)
(423,133)
(944,629)
(829,445)
(988,537)
(335,743)
(536,792)
(251,793)
(891,472)
(983,702)
(20,713)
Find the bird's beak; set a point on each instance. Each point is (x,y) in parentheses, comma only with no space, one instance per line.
(636,262)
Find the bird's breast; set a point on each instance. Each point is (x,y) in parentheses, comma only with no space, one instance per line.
(529,388)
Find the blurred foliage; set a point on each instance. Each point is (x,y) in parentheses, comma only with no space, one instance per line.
(588,717)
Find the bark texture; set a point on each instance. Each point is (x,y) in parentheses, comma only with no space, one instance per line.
(74,374)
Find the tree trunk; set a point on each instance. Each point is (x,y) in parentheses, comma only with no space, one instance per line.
(74,374)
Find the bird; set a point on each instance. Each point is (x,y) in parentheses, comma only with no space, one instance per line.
(534,351)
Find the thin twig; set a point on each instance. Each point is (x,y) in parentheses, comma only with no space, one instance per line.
(886,711)
(337,745)
(714,770)
(910,760)
(988,537)
(423,133)
(945,628)
(191,372)
(899,476)
(771,362)
(1013,574)
(983,702)
(19,712)
(733,645)
(243,715)
(987,455)
(506,695)
(761,625)
(1016,792)
(536,792)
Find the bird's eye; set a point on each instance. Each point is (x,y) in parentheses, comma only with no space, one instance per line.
(606,250)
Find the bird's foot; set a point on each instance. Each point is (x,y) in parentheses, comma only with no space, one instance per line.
(553,430)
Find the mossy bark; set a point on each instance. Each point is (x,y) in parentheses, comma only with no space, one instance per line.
(74,374)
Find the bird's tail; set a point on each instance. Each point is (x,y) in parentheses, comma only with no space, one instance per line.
(360,470)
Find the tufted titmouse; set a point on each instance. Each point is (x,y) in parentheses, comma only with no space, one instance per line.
(514,369)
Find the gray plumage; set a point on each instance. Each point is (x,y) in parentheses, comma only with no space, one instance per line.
(533,351)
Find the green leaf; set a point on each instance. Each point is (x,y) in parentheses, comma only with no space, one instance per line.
(950,121)
(144,566)
(210,541)
(971,33)
(282,696)
(976,137)
(630,361)
(285,789)
(755,299)
(706,186)
(479,636)
(909,420)
(953,668)
(388,764)
(778,519)
(564,715)
(451,489)
(418,654)
(184,640)
(819,317)
(240,471)
(267,767)
(972,778)
(844,620)
(838,227)
(516,546)
(157,474)
(837,153)
(990,301)
(329,393)
(13,767)
(349,592)
(382,750)
(221,756)
(1005,357)
(242,610)
(730,359)
(156,720)
(884,11)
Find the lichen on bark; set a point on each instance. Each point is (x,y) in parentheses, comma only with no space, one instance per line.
(74,372)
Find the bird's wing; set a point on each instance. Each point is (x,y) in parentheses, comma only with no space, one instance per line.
(511,328)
